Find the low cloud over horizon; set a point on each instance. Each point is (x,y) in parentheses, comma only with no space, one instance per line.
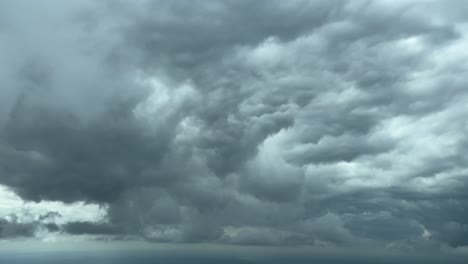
(284,123)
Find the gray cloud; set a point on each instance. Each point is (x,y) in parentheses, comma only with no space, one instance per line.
(11,229)
(78,228)
(241,122)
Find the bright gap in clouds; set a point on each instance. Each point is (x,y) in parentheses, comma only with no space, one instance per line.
(17,214)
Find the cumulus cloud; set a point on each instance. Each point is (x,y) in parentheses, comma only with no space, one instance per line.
(241,122)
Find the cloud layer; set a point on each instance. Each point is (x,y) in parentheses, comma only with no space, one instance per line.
(241,122)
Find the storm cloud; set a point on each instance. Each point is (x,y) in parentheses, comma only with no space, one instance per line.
(337,123)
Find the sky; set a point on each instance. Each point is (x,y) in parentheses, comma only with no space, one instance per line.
(311,129)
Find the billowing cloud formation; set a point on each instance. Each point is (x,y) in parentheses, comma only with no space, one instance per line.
(242,122)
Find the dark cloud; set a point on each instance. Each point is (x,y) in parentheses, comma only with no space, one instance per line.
(51,227)
(241,122)
(79,228)
(80,161)
(190,36)
(11,229)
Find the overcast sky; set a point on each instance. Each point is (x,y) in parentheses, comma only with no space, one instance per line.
(326,124)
